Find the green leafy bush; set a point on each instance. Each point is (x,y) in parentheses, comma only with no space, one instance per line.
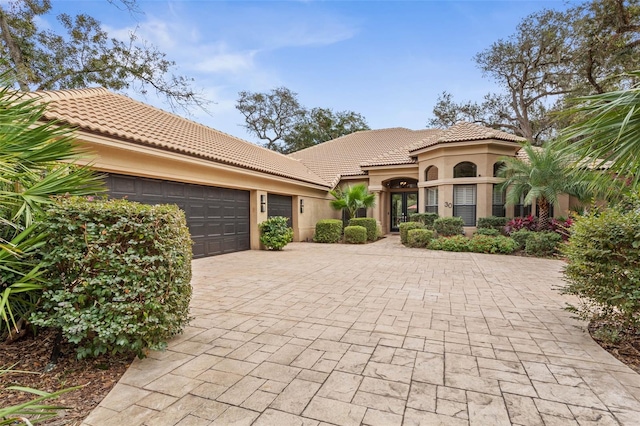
(369,223)
(487,231)
(492,222)
(405,227)
(542,243)
(328,231)
(355,235)
(419,237)
(454,243)
(521,237)
(426,219)
(448,226)
(603,267)
(492,244)
(118,275)
(275,233)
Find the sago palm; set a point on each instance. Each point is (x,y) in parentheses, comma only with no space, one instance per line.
(543,176)
(352,198)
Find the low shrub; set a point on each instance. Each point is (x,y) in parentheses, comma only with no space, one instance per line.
(530,223)
(426,219)
(369,224)
(603,267)
(448,226)
(405,227)
(542,243)
(355,235)
(487,231)
(492,244)
(118,275)
(492,222)
(275,233)
(419,237)
(328,231)
(521,237)
(454,243)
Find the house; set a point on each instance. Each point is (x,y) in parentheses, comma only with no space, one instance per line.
(227,186)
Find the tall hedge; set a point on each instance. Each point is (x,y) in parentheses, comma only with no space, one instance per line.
(369,223)
(328,231)
(603,267)
(118,275)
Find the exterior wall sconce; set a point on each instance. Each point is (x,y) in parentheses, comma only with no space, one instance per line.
(263,203)
(302,205)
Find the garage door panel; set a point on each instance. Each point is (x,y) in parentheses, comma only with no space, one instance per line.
(218,218)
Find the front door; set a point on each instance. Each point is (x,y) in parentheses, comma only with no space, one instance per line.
(403,204)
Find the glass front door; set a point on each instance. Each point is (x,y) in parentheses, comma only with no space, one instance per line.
(403,204)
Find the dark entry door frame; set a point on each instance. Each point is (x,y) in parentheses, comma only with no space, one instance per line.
(402,205)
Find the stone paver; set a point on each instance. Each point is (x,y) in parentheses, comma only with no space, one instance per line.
(375,335)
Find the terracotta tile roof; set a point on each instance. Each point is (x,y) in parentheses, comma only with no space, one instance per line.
(344,155)
(463,131)
(99,111)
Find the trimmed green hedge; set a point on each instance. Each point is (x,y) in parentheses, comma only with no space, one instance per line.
(489,244)
(493,222)
(369,223)
(426,219)
(487,231)
(454,243)
(275,233)
(355,235)
(542,243)
(419,237)
(521,237)
(405,227)
(328,231)
(118,275)
(448,226)
(603,267)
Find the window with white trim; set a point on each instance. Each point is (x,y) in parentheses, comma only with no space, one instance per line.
(432,200)
(464,203)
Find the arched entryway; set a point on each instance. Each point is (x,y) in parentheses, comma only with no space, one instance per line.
(403,201)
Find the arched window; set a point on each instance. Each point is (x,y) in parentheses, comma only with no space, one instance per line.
(465,169)
(431,173)
(496,168)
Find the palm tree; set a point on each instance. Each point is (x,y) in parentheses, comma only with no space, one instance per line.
(606,135)
(36,163)
(352,199)
(543,176)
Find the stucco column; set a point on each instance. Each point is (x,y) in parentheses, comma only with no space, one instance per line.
(257,216)
(295,217)
(445,193)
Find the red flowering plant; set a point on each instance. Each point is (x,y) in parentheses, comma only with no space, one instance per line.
(529,223)
(561,226)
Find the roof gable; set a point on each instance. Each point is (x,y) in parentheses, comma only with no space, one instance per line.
(464,131)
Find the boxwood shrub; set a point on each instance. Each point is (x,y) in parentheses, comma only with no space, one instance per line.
(405,227)
(492,244)
(603,267)
(369,223)
(492,222)
(448,226)
(487,231)
(542,243)
(426,219)
(355,235)
(118,275)
(454,243)
(275,233)
(328,231)
(521,237)
(419,237)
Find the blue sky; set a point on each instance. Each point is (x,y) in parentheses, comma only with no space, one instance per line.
(387,60)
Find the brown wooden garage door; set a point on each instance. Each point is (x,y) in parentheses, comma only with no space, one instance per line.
(279,205)
(218,218)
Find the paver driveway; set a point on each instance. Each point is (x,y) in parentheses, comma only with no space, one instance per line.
(377,335)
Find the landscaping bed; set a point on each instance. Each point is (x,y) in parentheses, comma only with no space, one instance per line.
(32,353)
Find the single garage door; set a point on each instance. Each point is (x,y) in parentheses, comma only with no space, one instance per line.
(279,205)
(218,218)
